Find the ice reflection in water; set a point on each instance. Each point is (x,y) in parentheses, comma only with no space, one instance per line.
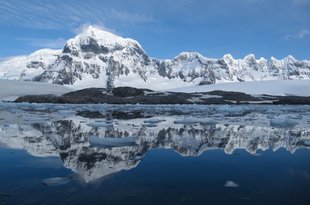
(97,141)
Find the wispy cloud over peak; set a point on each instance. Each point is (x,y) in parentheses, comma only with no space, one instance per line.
(301,2)
(64,14)
(84,27)
(299,35)
(44,43)
(303,33)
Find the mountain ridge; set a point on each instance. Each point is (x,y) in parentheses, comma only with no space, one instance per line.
(99,58)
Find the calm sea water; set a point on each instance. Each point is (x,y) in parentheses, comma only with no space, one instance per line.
(53,154)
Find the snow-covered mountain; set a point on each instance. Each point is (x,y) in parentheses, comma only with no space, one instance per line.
(97,58)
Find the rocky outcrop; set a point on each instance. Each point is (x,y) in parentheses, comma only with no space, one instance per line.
(129,95)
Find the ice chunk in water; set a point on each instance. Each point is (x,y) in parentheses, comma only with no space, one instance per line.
(231,184)
(55,181)
(99,124)
(194,120)
(150,125)
(153,121)
(283,123)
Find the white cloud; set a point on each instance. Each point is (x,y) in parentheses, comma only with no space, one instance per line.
(301,2)
(84,27)
(64,14)
(300,35)
(303,34)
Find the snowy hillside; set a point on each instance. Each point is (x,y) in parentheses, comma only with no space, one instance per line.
(28,67)
(97,58)
(271,87)
(12,89)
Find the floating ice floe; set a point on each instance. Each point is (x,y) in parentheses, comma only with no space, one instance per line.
(194,120)
(307,142)
(66,112)
(153,121)
(283,123)
(56,181)
(150,125)
(231,184)
(100,124)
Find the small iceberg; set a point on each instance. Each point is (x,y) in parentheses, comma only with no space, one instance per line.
(150,125)
(100,124)
(66,112)
(307,142)
(231,184)
(283,123)
(194,120)
(55,181)
(112,141)
(153,121)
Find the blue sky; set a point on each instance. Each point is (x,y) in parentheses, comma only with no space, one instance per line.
(164,28)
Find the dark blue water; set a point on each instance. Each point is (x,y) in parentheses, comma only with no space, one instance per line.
(102,154)
(164,177)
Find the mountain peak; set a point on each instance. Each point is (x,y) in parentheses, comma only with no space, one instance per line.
(290,58)
(228,56)
(98,41)
(102,37)
(188,55)
(249,57)
(98,33)
(45,52)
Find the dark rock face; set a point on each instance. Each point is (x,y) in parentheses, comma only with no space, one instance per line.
(41,99)
(94,47)
(115,114)
(90,114)
(129,95)
(91,95)
(35,64)
(296,100)
(128,91)
(233,96)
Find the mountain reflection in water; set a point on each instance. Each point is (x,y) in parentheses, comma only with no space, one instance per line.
(94,144)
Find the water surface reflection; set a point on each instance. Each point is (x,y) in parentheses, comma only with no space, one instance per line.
(119,156)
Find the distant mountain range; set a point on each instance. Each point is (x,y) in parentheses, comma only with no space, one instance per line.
(97,58)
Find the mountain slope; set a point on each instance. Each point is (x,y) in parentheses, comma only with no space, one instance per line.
(10,90)
(270,87)
(96,58)
(28,67)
